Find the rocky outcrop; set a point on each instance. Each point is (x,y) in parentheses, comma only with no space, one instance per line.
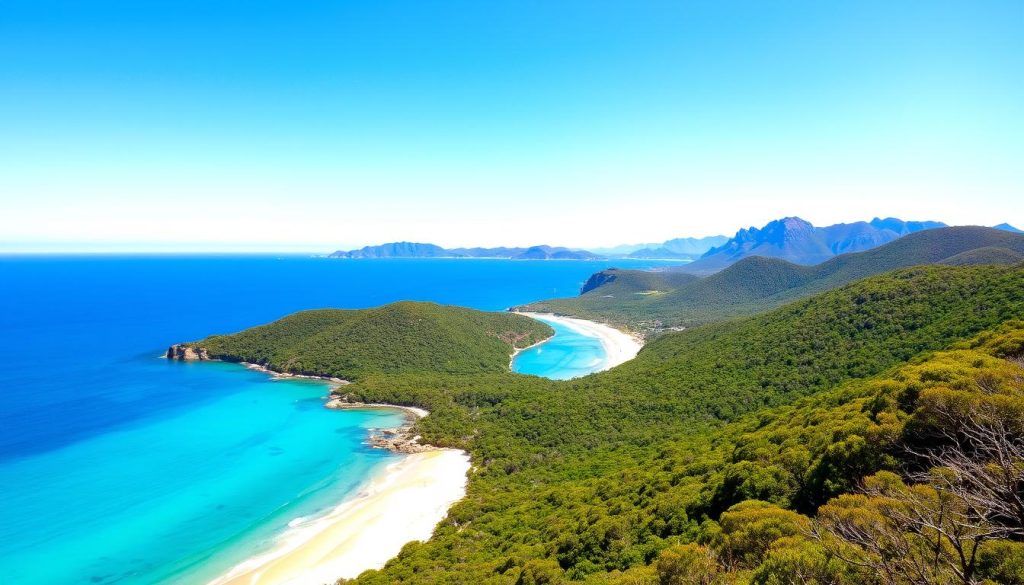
(187,353)
(599,279)
(398,440)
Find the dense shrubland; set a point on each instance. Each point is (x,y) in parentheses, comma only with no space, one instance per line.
(631,477)
(395,338)
(871,434)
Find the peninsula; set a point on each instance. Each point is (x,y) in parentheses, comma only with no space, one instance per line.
(411,496)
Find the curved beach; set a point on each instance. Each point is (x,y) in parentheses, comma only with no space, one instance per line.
(619,346)
(402,505)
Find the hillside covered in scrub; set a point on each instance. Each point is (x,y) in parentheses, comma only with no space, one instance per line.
(707,456)
(653,301)
(755,450)
(395,338)
(871,434)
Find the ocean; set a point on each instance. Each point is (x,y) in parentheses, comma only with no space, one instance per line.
(117,466)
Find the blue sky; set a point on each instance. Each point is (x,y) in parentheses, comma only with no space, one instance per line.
(313,125)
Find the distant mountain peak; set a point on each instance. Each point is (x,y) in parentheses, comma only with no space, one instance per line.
(799,241)
(787,229)
(1008,228)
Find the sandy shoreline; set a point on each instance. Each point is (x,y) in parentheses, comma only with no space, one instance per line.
(365,531)
(619,346)
(398,506)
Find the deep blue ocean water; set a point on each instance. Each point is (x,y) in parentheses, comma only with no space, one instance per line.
(117,466)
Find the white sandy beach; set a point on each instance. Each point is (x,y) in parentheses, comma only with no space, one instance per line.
(619,346)
(364,532)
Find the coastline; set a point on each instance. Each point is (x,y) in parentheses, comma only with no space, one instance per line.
(519,350)
(402,505)
(619,346)
(285,375)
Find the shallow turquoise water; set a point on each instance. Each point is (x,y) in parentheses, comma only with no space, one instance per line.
(569,354)
(184,498)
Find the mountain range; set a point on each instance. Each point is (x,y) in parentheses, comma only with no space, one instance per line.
(677,248)
(798,241)
(790,238)
(419,250)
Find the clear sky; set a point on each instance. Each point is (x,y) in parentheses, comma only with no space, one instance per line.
(314,125)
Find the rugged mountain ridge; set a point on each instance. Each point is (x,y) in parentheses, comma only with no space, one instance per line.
(800,242)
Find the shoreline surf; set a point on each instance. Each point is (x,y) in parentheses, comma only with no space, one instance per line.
(369,526)
(619,346)
(366,530)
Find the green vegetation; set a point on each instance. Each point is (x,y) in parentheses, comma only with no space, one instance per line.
(756,283)
(987,255)
(618,283)
(870,434)
(396,338)
(629,476)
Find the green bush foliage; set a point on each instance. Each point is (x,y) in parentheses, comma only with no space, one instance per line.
(792,408)
(396,338)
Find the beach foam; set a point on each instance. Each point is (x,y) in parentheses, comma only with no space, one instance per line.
(618,345)
(362,533)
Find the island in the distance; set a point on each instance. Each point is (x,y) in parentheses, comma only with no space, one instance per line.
(420,250)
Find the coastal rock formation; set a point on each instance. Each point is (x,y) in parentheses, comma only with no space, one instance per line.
(599,279)
(398,440)
(187,353)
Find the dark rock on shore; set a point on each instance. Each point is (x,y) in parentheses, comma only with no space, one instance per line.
(187,353)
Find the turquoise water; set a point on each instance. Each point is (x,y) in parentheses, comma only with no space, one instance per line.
(185,498)
(569,354)
(117,466)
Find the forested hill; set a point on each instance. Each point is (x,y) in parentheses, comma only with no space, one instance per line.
(651,301)
(395,338)
(628,477)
